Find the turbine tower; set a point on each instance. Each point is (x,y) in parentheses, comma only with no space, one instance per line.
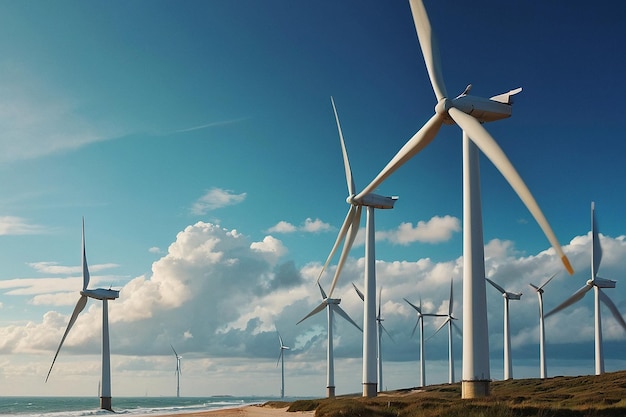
(469,113)
(99,294)
(347,234)
(449,321)
(379,336)
(178,371)
(281,360)
(420,323)
(508,363)
(596,283)
(332,304)
(542,332)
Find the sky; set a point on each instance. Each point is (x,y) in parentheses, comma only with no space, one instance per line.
(197,140)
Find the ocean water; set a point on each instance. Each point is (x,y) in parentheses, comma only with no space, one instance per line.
(134,406)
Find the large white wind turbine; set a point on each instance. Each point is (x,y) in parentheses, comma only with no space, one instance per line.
(420,323)
(596,283)
(333,307)
(281,360)
(469,113)
(99,294)
(347,234)
(506,295)
(178,371)
(542,332)
(379,336)
(450,322)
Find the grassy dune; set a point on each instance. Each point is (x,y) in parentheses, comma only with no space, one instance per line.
(581,396)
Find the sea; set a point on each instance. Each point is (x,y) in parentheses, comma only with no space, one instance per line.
(133,406)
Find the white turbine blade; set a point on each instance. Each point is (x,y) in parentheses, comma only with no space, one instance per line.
(492,150)
(352,231)
(496,286)
(429,46)
(416,324)
(346,161)
(385,330)
(316,310)
(322,291)
(606,300)
(418,142)
(419,310)
(546,283)
(358,292)
(596,249)
(439,328)
(175,354)
(451,301)
(80,306)
(380,301)
(536,288)
(457,328)
(345,315)
(85,267)
(571,300)
(280,355)
(340,237)
(280,340)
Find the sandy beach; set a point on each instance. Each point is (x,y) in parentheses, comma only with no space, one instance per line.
(247,411)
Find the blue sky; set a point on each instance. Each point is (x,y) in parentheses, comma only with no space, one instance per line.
(198,141)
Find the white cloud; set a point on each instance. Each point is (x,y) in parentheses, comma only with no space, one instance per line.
(437,229)
(309,226)
(12,225)
(216,198)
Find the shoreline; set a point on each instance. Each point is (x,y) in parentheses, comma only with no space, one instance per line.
(250,410)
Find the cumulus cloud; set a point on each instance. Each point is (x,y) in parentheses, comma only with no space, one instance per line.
(216,198)
(437,229)
(309,226)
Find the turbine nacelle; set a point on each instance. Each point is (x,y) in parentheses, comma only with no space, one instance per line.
(373,200)
(601,282)
(101,294)
(482,109)
(512,296)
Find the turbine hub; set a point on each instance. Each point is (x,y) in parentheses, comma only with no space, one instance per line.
(442,108)
(350,200)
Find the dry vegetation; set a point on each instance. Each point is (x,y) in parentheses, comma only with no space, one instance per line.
(583,396)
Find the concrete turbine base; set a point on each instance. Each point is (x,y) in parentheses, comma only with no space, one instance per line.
(370,389)
(330,392)
(475,389)
(105,403)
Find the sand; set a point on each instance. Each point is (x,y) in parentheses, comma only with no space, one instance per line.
(248,411)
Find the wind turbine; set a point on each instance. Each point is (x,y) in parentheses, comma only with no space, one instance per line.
(542,331)
(333,307)
(379,335)
(281,359)
(178,371)
(506,295)
(420,323)
(347,234)
(99,294)
(449,321)
(596,283)
(469,113)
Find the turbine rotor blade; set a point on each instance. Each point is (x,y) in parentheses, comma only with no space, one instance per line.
(340,237)
(175,354)
(85,267)
(496,286)
(343,314)
(346,161)
(546,283)
(316,310)
(596,249)
(451,301)
(385,330)
(429,46)
(324,296)
(80,306)
(492,150)
(380,301)
(571,300)
(352,231)
(609,303)
(358,292)
(418,142)
(415,327)
(414,306)
(439,328)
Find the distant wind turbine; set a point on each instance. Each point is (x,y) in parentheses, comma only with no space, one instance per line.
(506,295)
(178,371)
(333,307)
(281,360)
(596,283)
(379,336)
(99,294)
(449,321)
(347,234)
(420,323)
(542,331)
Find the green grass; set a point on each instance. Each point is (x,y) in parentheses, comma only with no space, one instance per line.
(583,396)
